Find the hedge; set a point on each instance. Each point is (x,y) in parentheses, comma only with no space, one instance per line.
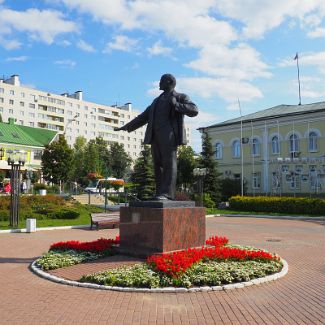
(290,205)
(40,207)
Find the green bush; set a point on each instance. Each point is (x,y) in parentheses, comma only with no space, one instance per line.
(290,205)
(207,200)
(65,213)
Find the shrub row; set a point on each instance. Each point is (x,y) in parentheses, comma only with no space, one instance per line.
(40,207)
(290,205)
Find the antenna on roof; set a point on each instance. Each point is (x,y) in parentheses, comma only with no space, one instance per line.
(297,58)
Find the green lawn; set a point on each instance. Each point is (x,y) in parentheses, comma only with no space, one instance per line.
(222,212)
(83,219)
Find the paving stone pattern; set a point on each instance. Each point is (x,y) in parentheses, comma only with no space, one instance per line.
(297,298)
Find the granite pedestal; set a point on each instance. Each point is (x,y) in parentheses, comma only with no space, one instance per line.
(161,226)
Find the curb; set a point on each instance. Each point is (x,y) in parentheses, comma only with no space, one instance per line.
(23,230)
(238,285)
(265,216)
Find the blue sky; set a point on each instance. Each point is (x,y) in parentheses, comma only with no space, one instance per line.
(219,50)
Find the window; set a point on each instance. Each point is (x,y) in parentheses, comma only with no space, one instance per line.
(22,95)
(22,113)
(218,151)
(312,142)
(275,145)
(276,180)
(294,181)
(31,114)
(1,109)
(11,92)
(31,105)
(11,101)
(22,104)
(2,90)
(294,143)
(11,111)
(32,124)
(1,100)
(256,181)
(255,147)
(236,149)
(38,154)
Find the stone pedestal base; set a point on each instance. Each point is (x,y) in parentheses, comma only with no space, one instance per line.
(145,230)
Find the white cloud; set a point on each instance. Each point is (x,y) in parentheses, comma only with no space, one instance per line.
(121,43)
(66,63)
(81,44)
(241,63)
(11,44)
(22,58)
(40,25)
(190,24)
(318,32)
(227,89)
(260,16)
(64,43)
(159,49)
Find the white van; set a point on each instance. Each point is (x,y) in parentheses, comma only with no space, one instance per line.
(97,185)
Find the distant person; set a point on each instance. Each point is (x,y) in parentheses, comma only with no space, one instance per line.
(165,132)
(7,188)
(23,187)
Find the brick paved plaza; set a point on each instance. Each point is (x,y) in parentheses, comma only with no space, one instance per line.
(298,298)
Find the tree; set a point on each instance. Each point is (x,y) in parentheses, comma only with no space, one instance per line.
(57,161)
(79,172)
(212,180)
(231,187)
(185,165)
(119,160)
(92,159)
(103,157)
(143,175)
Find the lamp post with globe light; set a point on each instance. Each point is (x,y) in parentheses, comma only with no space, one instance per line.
(16,159)
(200,174)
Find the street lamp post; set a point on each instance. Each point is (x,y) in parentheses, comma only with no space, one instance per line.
(200,173)
(16,159)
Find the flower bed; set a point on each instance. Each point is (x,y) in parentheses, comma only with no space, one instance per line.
(73,252)
(213,265)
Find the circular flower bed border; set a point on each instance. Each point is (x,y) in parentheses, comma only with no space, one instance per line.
(238,285)
(172,264)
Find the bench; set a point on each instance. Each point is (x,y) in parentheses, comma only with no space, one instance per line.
(102,219)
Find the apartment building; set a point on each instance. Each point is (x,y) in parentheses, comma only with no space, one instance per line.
(276,151)
(68,114)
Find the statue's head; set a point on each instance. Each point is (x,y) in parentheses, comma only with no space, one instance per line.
(167,82)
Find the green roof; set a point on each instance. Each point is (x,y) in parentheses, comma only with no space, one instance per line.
(25,135)
(275,112)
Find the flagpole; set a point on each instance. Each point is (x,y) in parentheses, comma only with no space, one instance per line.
(241,150)
(297,58)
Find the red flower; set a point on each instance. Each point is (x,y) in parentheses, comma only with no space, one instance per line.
(217,241)
(100,245)
(176,263)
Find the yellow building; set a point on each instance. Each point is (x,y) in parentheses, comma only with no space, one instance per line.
(279,151)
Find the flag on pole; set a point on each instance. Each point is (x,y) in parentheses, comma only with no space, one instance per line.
(296,57)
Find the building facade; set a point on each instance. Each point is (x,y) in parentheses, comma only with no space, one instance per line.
(25,142)
(277,151)
(68,114)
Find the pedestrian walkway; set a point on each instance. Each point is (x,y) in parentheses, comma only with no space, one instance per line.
(297,298)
